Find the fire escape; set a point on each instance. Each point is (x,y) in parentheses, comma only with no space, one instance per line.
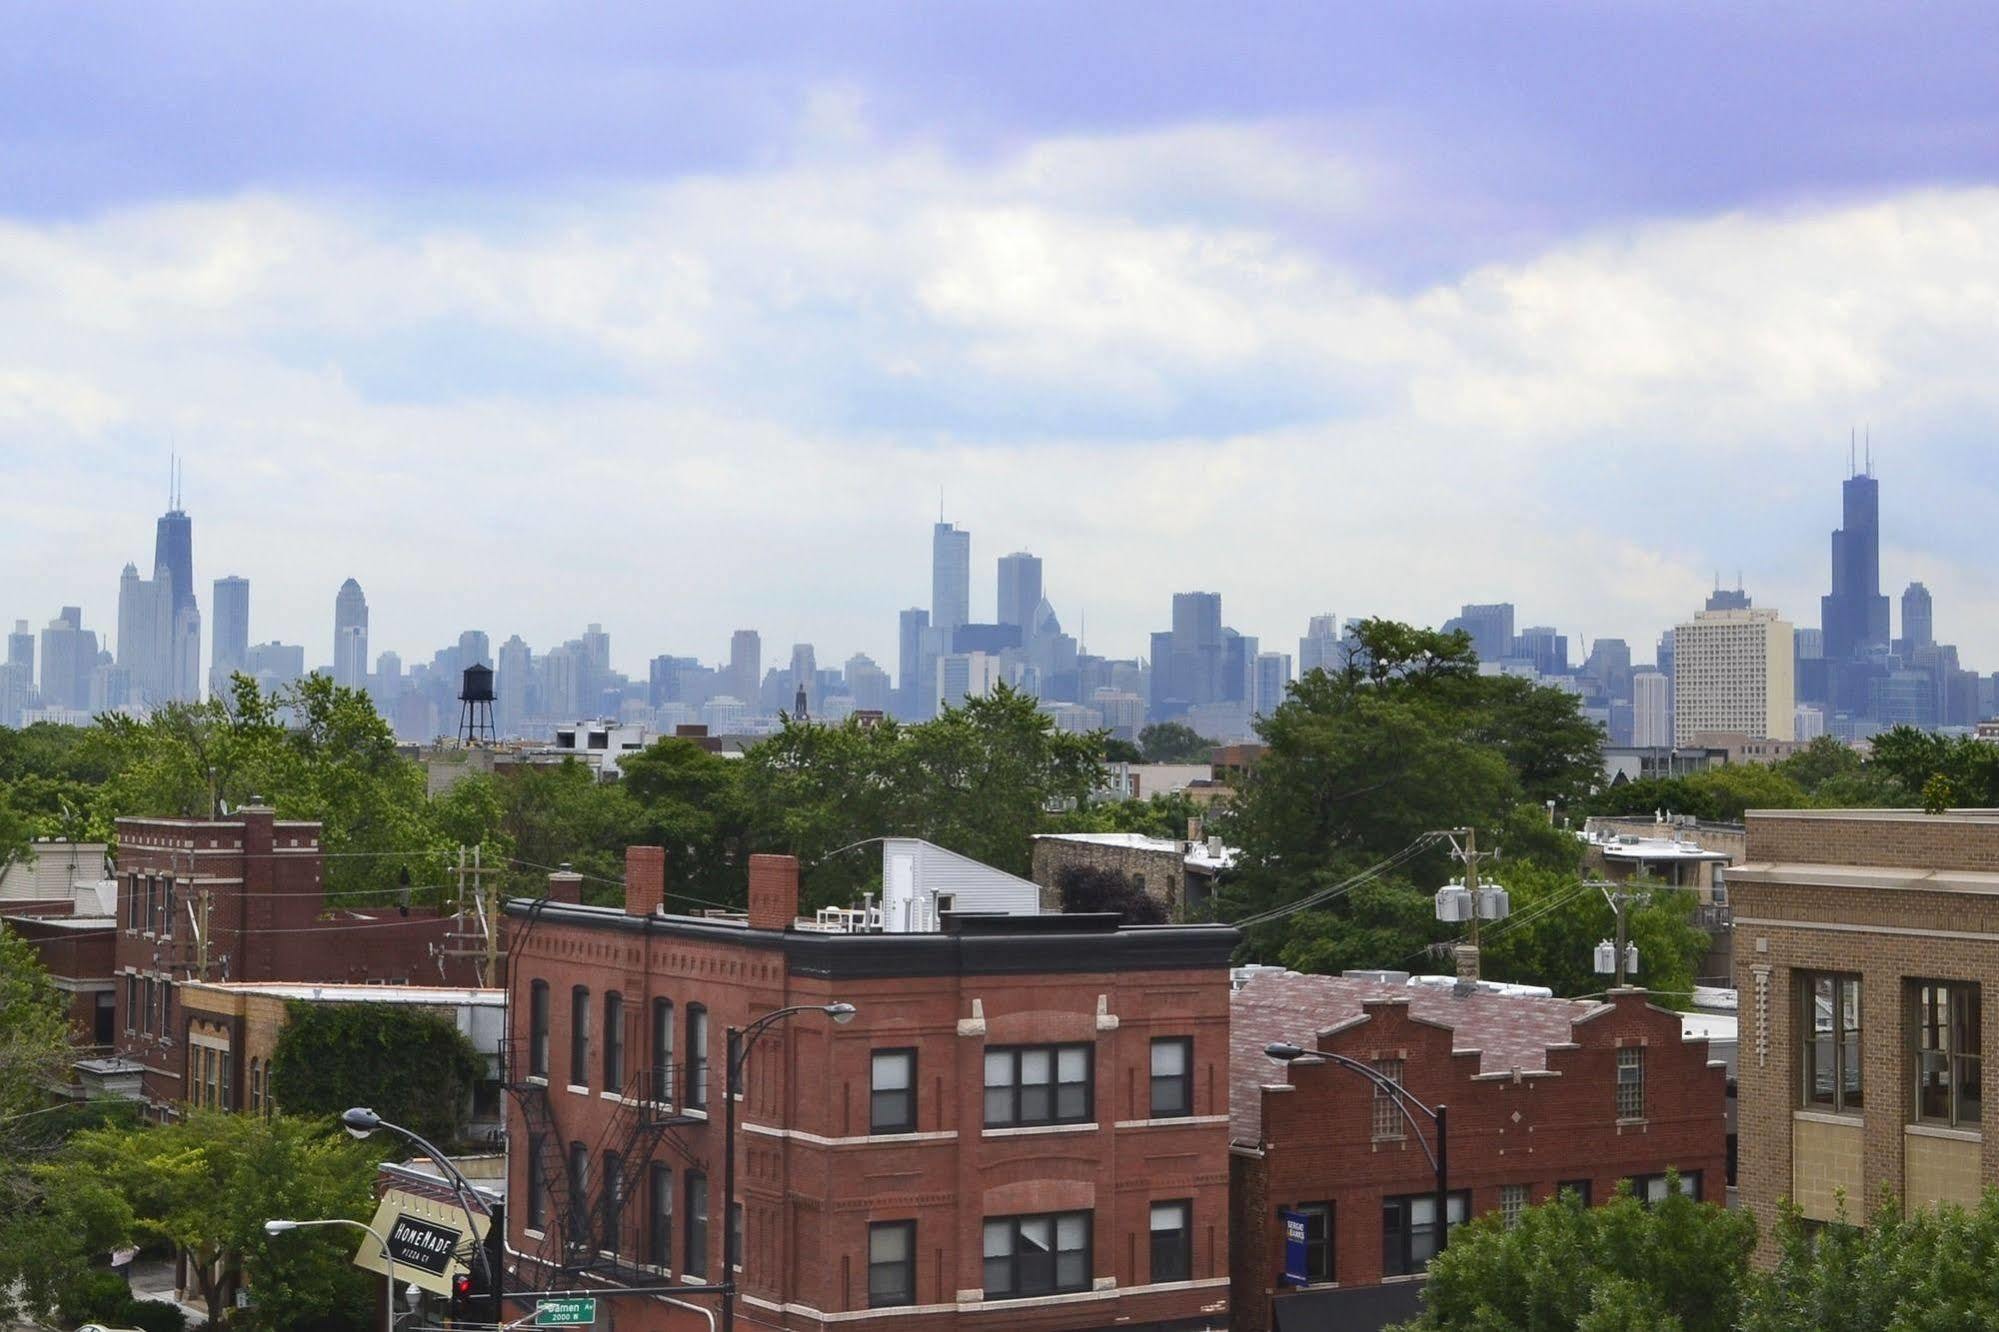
(596,1224)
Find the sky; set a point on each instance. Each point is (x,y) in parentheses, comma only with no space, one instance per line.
(686,318)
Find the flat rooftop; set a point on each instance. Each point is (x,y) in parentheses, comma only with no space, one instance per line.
(337,992)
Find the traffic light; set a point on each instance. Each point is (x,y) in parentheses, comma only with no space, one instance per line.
(461,1296)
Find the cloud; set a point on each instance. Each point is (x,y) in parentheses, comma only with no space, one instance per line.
(730,399)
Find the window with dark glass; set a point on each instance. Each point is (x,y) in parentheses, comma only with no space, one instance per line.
(659,1227)
(134,898)
(695,1263)
(134,1015)
(1037,1255)
(579,1177)
(537,1185)
(612,1202)
(1653,1189)
(1172,1241)
(1172,1077)
(1039,1084)
(152,903)
(1948,1029)
(891,1264)
(579,1036)
(1409,1230)
(614,1042)
(1829,1023)
(734,1239)
(226,1097)
(167,909)
(1318,1240)
(697,1056)
(662,1050)
(1579,1187)
(538,1029)
(892,1092)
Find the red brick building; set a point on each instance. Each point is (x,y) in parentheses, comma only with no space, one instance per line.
(257,882)
(76,951)
(1024,1125)
(1542,1094)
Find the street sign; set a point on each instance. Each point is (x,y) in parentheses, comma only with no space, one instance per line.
(565,1312)
(423,1244)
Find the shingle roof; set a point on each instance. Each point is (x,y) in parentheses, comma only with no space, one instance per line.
(1508,1031)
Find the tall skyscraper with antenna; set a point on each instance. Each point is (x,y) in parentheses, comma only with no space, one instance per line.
(1854,614)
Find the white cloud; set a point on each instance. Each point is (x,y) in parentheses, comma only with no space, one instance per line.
(731,399)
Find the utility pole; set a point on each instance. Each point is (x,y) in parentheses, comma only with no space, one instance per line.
(482,939)
(1465,901)
(1617,959)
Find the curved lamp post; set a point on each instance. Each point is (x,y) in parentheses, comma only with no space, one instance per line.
(739,1043)
(1284,1053)
(359,1121)
(279,1227)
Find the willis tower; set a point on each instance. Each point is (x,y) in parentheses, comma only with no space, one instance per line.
(1854,616)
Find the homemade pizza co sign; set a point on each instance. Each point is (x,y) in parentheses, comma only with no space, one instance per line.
(423,1244)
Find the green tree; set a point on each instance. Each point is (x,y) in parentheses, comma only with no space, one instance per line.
(1675,1266)
(206,1183)
(1173,742)
(34,1035)
(1819,762)
(17,832)
(1911,757)
(689,801)
(1086,889)
(1121,751)
(1927,1269)
(411,1065)
(1550,938)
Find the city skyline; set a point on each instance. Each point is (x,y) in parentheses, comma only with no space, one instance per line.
(1217,320)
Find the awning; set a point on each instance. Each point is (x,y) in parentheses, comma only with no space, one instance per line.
(1347,1308)
(430,1240)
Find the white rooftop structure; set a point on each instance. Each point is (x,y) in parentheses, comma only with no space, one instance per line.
(922,883)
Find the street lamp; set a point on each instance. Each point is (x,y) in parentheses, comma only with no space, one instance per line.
(739,1043)
(359,1121)
(279,1227)
(1284,1053)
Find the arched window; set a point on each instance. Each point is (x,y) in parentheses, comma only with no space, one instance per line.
(538,1029)
(579,1036)
(662,1050)
(614,1042)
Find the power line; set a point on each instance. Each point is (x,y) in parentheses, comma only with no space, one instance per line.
(1342,888)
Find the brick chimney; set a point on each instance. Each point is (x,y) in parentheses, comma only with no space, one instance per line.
(645,879)
(773,892)
(565,885)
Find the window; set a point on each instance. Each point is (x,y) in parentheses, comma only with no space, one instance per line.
(697,1056)
(133,1017)
(1172,1241)
(579,1036)
(612,1202)
(1038,1084)
(1388,1119)
(167,908)
(538,1029)
(104,1018)
(1631,1082)
(659,1228)
(208,1075)
(614,1042)
(696,1262)
(892,1092)
(579,1177)
(1650,1189)
(256,1087)
(662,1050)
(225,1098)
(735,1237)
(1037,1255)
(152,903)
(1949,1081)
(537,1185)
(132,900)
(1318,1240)
(891,1264)
(1512,1202)
(1409,1230)
(1829,1022)
(1172,1077)
(1579,1187)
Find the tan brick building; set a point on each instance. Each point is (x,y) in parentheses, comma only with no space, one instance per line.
(1863,942)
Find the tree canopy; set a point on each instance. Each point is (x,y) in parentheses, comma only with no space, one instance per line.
(413,1066)
(1930,1268)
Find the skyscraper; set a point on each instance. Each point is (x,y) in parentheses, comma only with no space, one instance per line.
(1273,679)
(1319,649)
(1490,626)
(173,557)
(229,649)
(145,637)
(17,684)
(474,649)
(512,680)
(746,652)
(1917,628)
(1194,653)
(804,676)
(910,668)
(1651,710)
(350,636)
(1733,672)
(1855,613)
(950,577)
(1019,590)
(69,655)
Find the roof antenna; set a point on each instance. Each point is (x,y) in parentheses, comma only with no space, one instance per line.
(1852,443)
(940,504)
(1870,450)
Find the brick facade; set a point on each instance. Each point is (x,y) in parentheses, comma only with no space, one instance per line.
(811,1172)
(1530,1089)
(1157,865)
(1894,898)
(268,920)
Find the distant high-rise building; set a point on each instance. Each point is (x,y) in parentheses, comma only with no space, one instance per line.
(1651,710)
(1918,630)
(1019,590)
(1273,681)
(1239,654)
(1727,598)
(513,679)
(1609,664)
(474,649)
(350,636)
(1490,626)
(1545,647)
(867,683)
(1732,672)
(229,649)
(746,650)
(1193,668)
(173,555)
(911,670)
(1809,724)
(274,665)
(804,676)
(950,577)
(69,655)
(145,636)
(1663,654)
(963,675)
(1319,649)
(1855,613)
(17,682)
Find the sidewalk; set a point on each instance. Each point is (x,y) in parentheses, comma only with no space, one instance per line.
(153,1279)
